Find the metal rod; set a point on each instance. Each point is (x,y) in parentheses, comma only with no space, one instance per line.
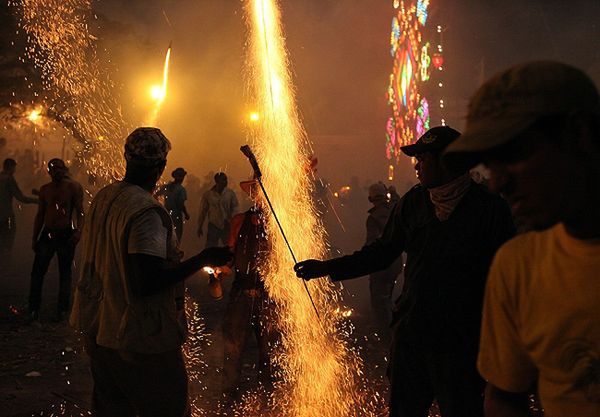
(262,187)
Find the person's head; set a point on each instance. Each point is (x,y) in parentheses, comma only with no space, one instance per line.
(252,189)
(57,169)
(427,150)
(146,150)
(536,127)
(179,175)
(9,166)
(377,193)
(220,181)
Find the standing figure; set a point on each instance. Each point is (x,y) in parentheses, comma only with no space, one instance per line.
(56,230)
(129,300)
(250,309)
(536,126)
(218,205)
(450,229)
(9,189)
(381,283)
(175,198)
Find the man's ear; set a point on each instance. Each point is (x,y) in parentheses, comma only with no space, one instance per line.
(581,134)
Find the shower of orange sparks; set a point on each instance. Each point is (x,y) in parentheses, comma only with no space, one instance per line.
(159,92)
(320,373)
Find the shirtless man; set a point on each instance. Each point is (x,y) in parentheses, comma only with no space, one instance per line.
(61,200)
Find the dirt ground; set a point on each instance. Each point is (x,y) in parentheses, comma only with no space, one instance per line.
(44,370)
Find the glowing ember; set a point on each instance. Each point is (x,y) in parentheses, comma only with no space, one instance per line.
(34,115)
(320,373)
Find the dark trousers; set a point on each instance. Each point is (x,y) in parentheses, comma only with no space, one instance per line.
(8,230)
(381,286)
(177,225)
(215,234)
(128,384)
(247,314)
(50,243)
(420,373)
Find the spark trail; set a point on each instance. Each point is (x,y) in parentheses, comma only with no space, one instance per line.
(77,90)
(320,373)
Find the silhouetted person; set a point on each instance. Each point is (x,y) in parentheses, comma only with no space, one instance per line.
(56,230)
(175,197)
(9,189)
(381,283)
(449,228)
(218,205)
(129,300)
(250,309)
(536,127)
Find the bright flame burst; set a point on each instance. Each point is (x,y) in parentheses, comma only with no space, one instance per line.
(321,374)
(77,90)
(159,92)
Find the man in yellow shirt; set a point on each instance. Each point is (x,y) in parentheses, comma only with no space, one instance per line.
(536,127)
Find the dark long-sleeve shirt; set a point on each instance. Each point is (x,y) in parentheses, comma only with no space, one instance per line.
(446,262)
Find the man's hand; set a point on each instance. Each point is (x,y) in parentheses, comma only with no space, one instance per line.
(216,256)
(311,268)
(76,237)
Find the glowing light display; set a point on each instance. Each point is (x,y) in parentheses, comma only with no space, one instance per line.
(415,49)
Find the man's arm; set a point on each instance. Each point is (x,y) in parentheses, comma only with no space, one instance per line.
(152,274)
(16,192)
(373,257)
(500,403)
(38,221)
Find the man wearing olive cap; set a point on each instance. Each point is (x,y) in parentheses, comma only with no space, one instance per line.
(129,298)
(536,127)
(449,228)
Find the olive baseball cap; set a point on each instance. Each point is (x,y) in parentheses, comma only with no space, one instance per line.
(513,100)
(147,146)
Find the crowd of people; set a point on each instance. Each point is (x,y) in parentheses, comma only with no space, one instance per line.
(486,318)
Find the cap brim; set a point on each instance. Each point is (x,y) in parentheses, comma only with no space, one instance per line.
(414,149)
(480,138)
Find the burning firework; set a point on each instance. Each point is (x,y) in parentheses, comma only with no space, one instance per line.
(319,371)
(159,92)
(77,90)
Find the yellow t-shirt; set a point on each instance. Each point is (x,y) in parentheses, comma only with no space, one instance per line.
(541,321)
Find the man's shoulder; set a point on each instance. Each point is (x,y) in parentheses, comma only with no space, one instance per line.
(526,247)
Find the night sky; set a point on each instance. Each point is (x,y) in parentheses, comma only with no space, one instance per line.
(339,50)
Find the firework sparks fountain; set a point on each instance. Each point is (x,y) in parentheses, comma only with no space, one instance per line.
(320,373)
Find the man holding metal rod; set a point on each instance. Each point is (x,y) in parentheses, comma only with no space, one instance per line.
(449,228)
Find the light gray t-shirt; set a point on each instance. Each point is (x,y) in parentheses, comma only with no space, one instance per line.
(148,235)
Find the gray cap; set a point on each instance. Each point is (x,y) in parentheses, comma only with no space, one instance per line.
(513,100)
(147,146)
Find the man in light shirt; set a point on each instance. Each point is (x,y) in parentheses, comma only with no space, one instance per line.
(218,205)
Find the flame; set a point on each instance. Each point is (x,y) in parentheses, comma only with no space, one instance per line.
(34,115)
(320,374)
(159,92)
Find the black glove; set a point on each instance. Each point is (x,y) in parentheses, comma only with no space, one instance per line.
(311,268)
(216,256)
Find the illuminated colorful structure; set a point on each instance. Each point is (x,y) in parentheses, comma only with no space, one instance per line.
(415,82)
